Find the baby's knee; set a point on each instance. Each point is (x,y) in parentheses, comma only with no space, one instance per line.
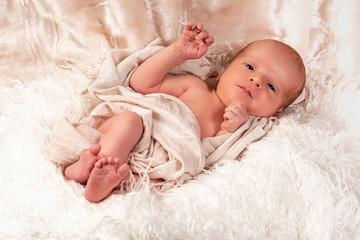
(130,117)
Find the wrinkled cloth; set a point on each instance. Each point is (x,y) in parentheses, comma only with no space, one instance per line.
(170,147)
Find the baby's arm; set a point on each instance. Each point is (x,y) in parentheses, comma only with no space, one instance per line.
(150,75)
(235,115)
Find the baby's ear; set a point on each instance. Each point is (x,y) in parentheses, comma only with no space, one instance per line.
(218,77)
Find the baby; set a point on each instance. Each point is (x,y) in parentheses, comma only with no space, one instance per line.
(262,80)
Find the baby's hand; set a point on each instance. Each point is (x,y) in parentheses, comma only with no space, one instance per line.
(235,115)
(193,42)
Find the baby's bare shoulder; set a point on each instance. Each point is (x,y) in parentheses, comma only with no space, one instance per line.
(186,83)
(186,77)
(191,88)
(193,81)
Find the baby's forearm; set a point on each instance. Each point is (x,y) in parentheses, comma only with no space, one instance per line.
(147,78)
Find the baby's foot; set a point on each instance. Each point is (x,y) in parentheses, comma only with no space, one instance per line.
(80,170)
(105,176)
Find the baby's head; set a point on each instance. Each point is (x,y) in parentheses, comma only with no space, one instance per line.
(266,76)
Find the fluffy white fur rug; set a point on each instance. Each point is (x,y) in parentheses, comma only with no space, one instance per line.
(299,182)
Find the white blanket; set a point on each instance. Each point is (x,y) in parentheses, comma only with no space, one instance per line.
(170,147)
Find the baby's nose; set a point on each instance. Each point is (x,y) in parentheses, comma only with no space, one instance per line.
(256,81)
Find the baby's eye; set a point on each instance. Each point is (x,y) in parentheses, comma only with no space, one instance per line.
(249,67)
(271,87)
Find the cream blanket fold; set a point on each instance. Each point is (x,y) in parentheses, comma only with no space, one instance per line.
(170,147)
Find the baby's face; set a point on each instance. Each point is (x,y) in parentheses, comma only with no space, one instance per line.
(261,78)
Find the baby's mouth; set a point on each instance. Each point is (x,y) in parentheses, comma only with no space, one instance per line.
(246,91)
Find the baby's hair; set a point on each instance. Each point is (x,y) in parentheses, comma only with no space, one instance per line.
(299,64)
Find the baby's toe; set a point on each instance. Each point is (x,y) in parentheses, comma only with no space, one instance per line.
(102,161)
(123,170)
(110,160)
(116,160)
(98,164)
(95,149)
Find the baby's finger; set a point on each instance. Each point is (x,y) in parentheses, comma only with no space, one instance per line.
(202,49)
(189,26)
(228,115)
(237,107)
(209,40)
(230,108)
(240,110)
(202,35)
(198,28)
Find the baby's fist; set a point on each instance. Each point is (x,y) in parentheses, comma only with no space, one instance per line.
(193,42)
(235,115)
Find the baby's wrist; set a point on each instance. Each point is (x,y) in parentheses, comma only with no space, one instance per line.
(178,53)
(222,132)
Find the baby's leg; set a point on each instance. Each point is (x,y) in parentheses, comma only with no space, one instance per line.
(121,134)
(80,170)
(106,175)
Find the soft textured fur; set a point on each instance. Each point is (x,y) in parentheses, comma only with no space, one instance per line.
(301,181)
